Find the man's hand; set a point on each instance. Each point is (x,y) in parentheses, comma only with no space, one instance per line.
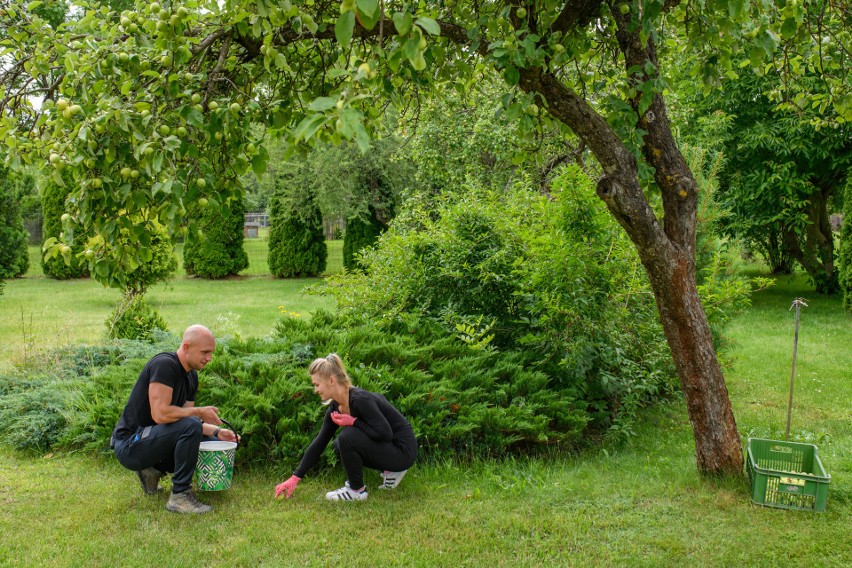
(228,436)
(209,414)
(287,487)
(342,419)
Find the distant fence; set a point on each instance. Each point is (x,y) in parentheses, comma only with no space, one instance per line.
(254,221)
(33,228)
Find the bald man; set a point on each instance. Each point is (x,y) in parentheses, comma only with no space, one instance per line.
(161,429)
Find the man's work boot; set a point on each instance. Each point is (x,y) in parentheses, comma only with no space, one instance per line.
(186,503)
(150,480)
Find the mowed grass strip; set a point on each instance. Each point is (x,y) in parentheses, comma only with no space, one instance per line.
(639,506)
(39,313)
(642,504)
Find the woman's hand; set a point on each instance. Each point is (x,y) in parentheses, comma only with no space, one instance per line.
(342,419)
(287,487)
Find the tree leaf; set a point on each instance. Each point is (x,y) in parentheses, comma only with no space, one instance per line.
(320,104)
(368,7)
(429,25)
(309,126)
(402,21)
(343,28)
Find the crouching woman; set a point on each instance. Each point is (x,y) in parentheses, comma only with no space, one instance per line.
(373,434)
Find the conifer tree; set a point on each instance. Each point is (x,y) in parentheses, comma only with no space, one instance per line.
(296,241)
(14,255)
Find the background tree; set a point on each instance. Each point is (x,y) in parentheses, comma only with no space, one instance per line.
(296,239)
(780,176)
(328,70)
(14,254)
(215,250)
(54,209)
(845,253)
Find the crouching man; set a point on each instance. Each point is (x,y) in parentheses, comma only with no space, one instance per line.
(160,429)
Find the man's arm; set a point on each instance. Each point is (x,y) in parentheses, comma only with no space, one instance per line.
(164,412)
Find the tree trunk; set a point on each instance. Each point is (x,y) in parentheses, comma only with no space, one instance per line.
(667,252)
(817,257)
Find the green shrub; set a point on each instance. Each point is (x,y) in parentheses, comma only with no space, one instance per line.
(360,233)
(134,318)
(845,253)
(14,253)
(53,207)
(296,241)
(217,251)
(32,412)
(554,280)
(95,404)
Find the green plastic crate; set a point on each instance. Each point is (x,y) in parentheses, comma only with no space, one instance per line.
(787,475)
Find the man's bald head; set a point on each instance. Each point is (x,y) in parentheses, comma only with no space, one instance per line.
(196,347)
(195,332)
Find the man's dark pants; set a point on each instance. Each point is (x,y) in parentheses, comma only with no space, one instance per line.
(168,447)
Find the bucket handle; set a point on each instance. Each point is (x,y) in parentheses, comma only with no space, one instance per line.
(228,424)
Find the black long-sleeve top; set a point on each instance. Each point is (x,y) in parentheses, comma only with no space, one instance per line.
(376,417)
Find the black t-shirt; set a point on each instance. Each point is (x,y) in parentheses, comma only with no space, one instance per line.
(164,368)
(375,416)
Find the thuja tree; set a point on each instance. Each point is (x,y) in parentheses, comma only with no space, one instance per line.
(174,91)
(56,224)
(296,238)
(845,254)
(14,254)
(361,232)
(215,249)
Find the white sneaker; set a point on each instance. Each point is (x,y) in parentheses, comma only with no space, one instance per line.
(391,479)
(346,493)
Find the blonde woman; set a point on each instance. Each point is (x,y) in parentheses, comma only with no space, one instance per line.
(373,434)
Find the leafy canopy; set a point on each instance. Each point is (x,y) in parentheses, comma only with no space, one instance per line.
(156,107)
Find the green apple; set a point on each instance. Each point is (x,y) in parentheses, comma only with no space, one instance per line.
(196,98)
(202,201)
(62,104)
(212,105)
(65,217)
(521,13)
(134,174)
(201,182)
(97,183)
(125,172)
(181,131)
(235,108)
(164,130)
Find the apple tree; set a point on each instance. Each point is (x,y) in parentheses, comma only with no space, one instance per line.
(156,107)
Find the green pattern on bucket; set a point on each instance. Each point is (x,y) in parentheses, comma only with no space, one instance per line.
(215,468)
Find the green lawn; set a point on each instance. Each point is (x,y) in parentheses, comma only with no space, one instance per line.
(640,505)
(40,313)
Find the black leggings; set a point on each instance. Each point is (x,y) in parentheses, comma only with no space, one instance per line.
(357,450)
(168,447)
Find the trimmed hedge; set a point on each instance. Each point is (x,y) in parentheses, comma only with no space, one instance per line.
(14,254)
(218,251)
(296,241)
(53,207)
(360,233)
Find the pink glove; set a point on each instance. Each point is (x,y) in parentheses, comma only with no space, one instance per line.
(287,487)
(342,419)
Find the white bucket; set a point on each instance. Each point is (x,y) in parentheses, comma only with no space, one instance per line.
(215,468)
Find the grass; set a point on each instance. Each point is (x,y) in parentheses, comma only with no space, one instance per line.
(639,505)
(41,313)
